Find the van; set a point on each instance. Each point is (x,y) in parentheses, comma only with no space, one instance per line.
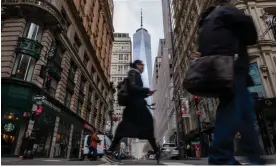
(101,146)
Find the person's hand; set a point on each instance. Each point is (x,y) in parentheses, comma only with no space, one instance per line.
(195,55)
(151,92)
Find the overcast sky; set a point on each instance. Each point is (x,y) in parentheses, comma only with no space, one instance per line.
(127,19)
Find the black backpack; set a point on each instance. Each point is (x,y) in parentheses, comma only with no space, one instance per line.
(122,94)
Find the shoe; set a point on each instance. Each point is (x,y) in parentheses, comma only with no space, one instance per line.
(111,156)
(157,156)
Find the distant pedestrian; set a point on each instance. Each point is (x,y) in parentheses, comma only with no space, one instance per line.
(227,31)
(137,120)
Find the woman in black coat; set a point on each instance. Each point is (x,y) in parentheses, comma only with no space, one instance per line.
(137,120)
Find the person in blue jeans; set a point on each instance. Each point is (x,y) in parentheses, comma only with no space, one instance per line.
(225,30)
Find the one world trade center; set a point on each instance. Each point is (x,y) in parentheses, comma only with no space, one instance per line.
(142,51)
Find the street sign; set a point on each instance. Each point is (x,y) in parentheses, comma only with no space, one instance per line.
(36,98)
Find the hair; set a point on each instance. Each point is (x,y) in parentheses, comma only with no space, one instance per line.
(135,63)
(205,13)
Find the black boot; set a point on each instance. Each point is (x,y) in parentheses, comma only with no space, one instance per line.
(157,156)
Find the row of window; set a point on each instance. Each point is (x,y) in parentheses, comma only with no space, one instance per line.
(24,66)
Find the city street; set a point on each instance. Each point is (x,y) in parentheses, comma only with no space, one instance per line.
(16,161)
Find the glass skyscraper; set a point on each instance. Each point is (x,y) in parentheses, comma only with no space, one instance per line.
(142,51)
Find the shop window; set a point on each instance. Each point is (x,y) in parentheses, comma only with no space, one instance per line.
(79,107)
(68,97)
(62,139)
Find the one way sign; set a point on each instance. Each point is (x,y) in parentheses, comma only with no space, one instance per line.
(36,98)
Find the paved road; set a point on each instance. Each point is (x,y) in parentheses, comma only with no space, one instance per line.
(46,161)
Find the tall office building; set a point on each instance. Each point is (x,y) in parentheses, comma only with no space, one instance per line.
(142,51)
(121,57)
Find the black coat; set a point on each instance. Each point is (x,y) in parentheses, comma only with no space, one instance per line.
(137,120)
(228,31)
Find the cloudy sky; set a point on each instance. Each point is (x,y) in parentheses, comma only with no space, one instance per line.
(127,19)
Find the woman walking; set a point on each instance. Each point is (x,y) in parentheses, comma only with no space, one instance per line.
(137,120)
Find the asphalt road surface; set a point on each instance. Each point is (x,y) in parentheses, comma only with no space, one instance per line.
(47,161)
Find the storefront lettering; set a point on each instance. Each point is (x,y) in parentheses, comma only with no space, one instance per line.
(51,105)
(9,127)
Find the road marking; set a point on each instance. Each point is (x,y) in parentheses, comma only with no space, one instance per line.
(173,163)
(52,160)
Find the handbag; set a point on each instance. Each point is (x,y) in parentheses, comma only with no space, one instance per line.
(210,76)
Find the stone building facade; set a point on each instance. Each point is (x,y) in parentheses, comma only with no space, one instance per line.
(51,50)
(121,58)
(185,16)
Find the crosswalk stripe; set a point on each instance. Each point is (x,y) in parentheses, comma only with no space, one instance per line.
(174,163)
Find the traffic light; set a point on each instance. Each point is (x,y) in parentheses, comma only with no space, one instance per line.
(48,82)
(38,110)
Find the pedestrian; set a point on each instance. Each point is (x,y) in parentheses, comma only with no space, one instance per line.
(93,145)
(137,121)
(227,31)
(63,148)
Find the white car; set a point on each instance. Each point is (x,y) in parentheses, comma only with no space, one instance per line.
(170,150)
(152,157)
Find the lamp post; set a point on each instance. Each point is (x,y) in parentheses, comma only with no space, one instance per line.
(180,132)
(198,114)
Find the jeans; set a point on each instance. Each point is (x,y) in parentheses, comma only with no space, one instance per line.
(235,113)
(94,150)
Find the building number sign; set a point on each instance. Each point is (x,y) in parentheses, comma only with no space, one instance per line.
(9,127)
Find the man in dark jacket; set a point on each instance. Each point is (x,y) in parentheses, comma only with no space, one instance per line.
(137,120)
(228,31)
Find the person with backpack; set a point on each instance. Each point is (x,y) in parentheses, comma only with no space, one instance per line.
(227,31)
(137,121)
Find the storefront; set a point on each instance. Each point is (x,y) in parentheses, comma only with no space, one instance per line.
(266,117)
(16,99)
(43,131)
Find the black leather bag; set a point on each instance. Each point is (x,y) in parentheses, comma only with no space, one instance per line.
(210,76)
(122,94)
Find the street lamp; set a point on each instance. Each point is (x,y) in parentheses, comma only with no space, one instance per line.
(198,114)
(180,133)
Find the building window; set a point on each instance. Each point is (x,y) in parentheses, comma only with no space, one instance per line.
(120,57)
(24,65)
(77,42)
(79,107)
(51,85)
(68,97)
(126,57)
(85,59)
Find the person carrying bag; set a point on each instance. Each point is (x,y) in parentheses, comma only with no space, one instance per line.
(221,69)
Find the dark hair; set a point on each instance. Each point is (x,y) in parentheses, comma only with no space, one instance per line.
(204,14)
(135,63)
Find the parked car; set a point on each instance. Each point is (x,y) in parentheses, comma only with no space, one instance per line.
(170,150)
